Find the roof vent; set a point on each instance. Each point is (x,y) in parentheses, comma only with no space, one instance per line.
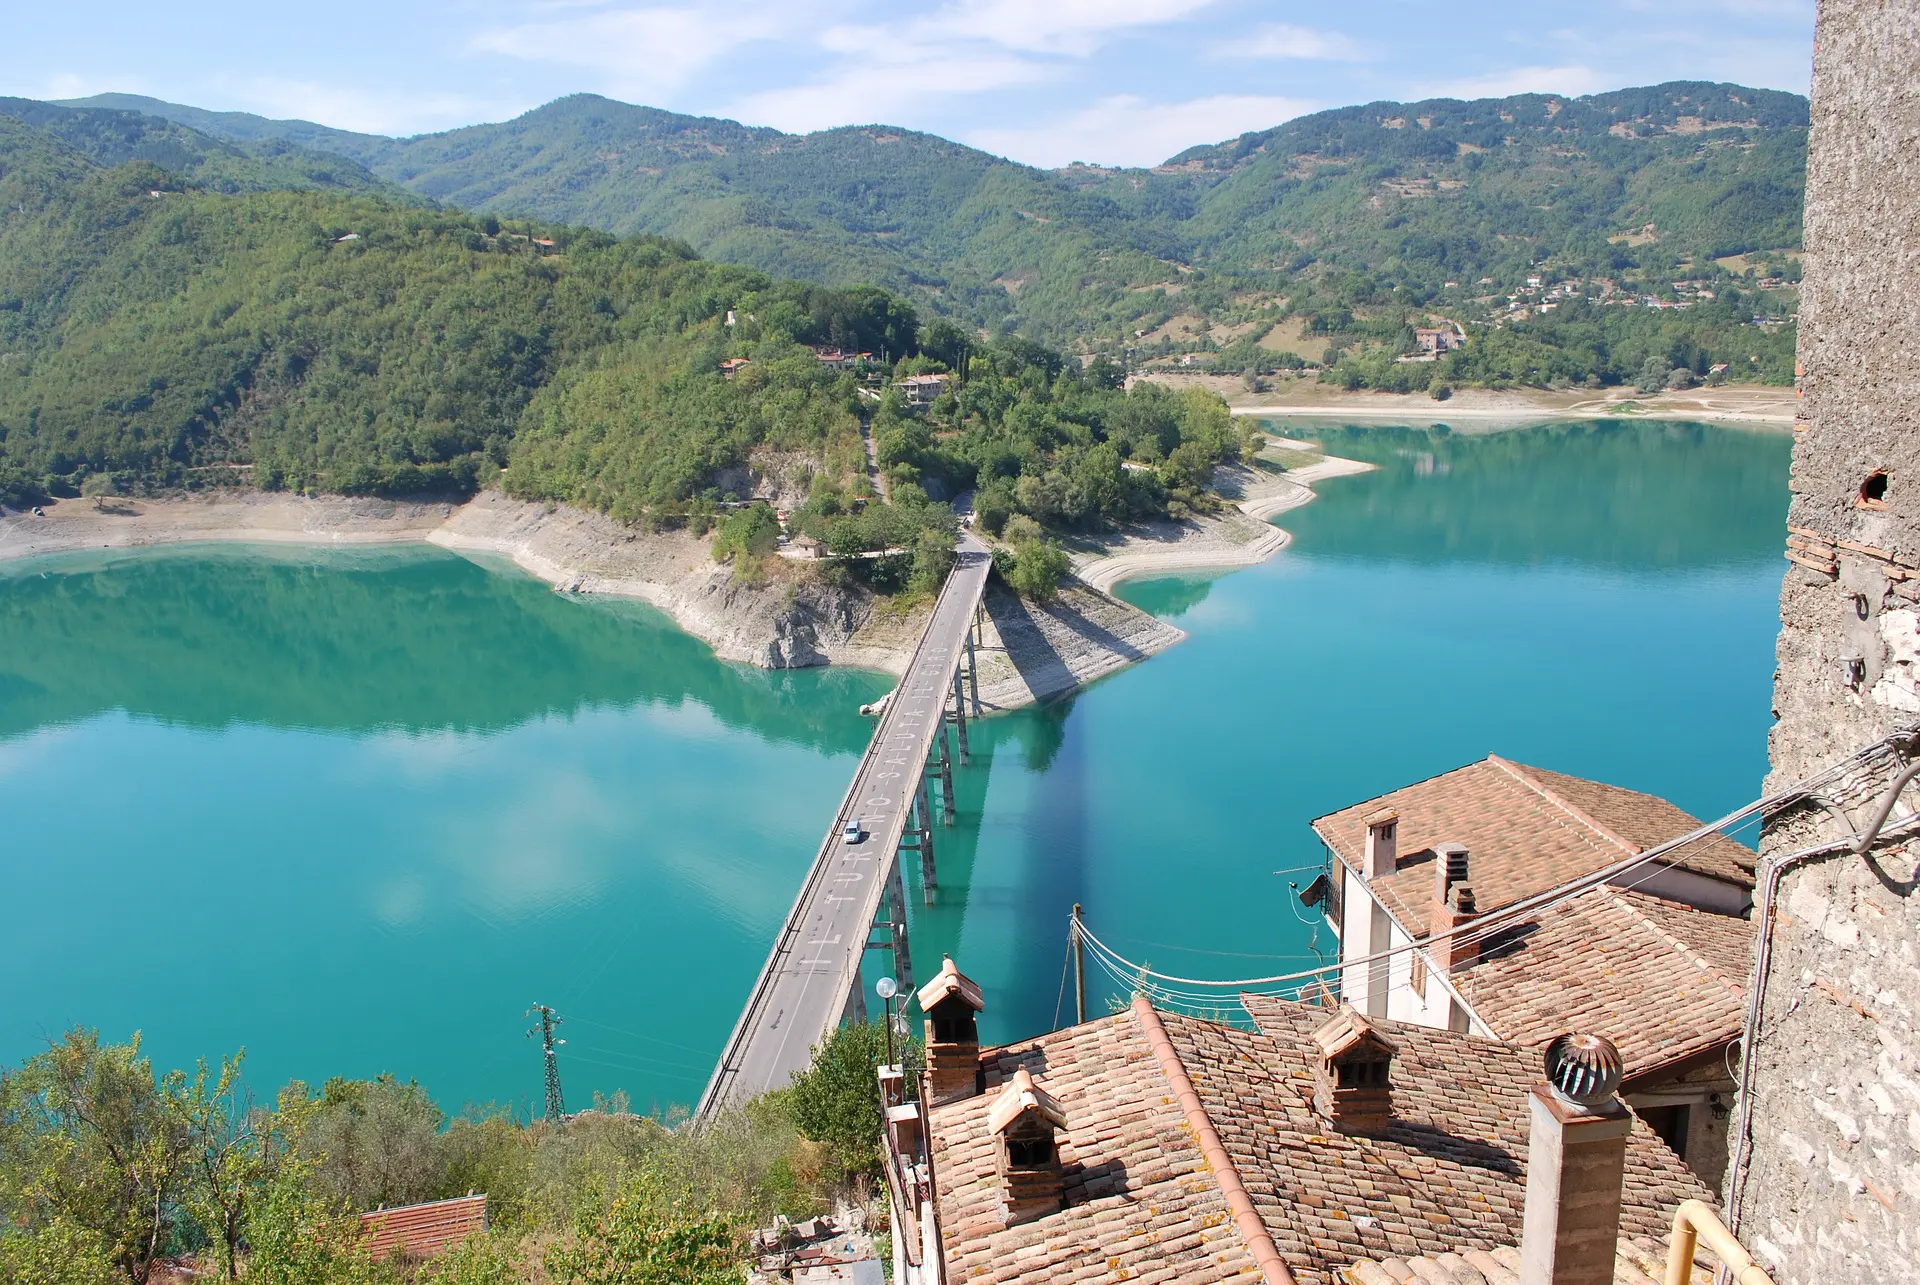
(1583,1070)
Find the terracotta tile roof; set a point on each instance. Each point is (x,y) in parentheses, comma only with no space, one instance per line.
(421,1231)
(1140,1204)
(1636,1261)
(1019,1096)
(1528,830)
(1450,1172)
(1663,981)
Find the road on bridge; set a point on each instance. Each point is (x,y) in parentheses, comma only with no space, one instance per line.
(803,988)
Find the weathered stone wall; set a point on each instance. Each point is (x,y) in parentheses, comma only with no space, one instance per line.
(1830,1189)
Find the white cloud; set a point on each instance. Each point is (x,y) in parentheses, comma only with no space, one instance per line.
(382,111)
(649,49)
(891,82)
(1128,130)
(1074,27)
(1521,80)
(1282,40)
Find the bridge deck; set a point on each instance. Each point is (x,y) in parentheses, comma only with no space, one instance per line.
(802,990)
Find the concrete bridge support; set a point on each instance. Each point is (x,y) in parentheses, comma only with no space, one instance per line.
(959,716)
(947,808)
(897,913)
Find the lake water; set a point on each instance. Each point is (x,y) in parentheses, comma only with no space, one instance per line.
(356,811)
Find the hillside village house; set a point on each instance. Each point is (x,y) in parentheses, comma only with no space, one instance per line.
(1437,341)
(1655,959)
(1305,1147)
(922,390)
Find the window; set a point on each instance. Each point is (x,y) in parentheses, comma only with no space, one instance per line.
(1419,970)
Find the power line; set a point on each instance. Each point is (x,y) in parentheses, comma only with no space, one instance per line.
(556,1106)
(1485,926)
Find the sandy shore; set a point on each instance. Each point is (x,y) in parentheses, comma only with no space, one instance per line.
(1243,537)
(1309,399)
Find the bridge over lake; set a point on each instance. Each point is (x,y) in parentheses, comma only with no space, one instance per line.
(811,980)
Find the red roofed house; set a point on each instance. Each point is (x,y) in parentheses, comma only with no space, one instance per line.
(418,1232)
(1656,958)
(1297,1149)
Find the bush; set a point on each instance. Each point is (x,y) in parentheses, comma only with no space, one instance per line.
(1039,566)
(1440,392)
(752,532)
(836,1100)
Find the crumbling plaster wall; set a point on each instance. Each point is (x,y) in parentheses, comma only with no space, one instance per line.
(1831,1189)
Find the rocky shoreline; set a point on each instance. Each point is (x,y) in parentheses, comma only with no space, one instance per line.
(792,619)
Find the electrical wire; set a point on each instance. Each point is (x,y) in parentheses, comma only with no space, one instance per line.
(1485,926)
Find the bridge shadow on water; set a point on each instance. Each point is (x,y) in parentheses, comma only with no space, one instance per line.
(1010,870)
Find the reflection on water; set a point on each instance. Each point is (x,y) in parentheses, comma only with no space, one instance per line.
(1607,493)
(354,640)
(246,791)
(1600,599)
(252,791)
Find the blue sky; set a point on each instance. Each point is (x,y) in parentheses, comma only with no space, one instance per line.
(1043,81)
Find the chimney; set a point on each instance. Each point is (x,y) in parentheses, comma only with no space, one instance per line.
(1576,1159)
(1454,911)
(1353,1080)
(1449,868)
(952,1003)
(1383,843)
(1023,1119)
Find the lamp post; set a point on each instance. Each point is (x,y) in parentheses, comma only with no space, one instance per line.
(886,988)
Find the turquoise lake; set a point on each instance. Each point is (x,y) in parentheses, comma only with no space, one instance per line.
(355,811)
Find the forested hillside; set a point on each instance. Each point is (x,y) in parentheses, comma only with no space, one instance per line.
(156,333)
(1378,206)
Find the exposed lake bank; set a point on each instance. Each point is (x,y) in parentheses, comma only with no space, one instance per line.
(1307,398)
(792,618)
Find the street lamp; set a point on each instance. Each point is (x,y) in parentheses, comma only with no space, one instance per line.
(886,988)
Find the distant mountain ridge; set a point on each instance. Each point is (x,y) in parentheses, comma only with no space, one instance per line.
(1408,194)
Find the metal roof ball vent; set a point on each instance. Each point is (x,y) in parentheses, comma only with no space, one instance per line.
(1584,1070)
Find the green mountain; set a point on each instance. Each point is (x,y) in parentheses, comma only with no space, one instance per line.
(156,332)
(1357,203)
(111,136)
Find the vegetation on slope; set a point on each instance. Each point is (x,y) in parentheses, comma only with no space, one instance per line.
(1373,208)
(113,1171)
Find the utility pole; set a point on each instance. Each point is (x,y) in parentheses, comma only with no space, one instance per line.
(556,1107)
(1079,969)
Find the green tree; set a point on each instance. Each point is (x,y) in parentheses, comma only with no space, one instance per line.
(649,1236)
(95,1145)
(300,1237)
(373,1143)
(836,1100)
(1038,568)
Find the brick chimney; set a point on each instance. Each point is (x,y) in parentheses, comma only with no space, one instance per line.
(1576,1159)
(1353,1080)
(1455,911)
(1383,843)
(1024,1119)
(952,1003)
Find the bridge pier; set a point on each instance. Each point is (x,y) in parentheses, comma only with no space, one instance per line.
(946,777)
(897,912)
(855,1009)
(973,670)
(959,717)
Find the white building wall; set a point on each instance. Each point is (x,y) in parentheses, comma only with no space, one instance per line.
(1360,916)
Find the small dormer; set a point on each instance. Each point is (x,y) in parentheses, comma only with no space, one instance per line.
(1353,1080)
(952,1002)
(1025,1121)
(1383,843)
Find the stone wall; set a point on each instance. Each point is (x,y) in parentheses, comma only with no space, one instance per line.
(1830,1186)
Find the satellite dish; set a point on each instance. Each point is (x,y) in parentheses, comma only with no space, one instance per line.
(886,988)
